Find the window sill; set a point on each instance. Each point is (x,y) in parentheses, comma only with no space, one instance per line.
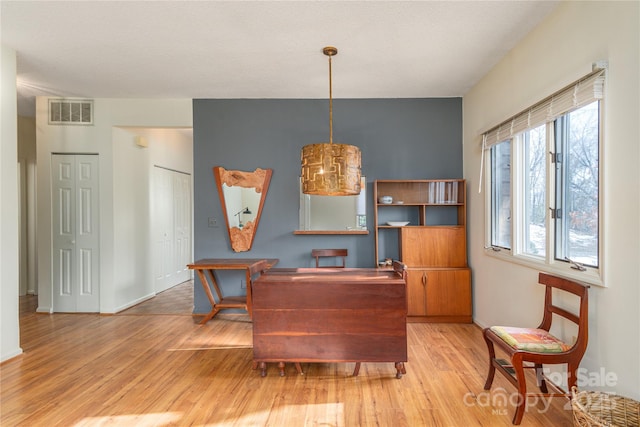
(591,276)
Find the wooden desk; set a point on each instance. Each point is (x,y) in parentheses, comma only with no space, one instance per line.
(330,315)
(209,266)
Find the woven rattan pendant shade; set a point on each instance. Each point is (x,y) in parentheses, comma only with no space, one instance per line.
(330,169)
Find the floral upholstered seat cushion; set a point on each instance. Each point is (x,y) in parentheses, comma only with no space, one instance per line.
(530,339)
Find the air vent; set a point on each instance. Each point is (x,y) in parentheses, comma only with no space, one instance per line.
(70,112)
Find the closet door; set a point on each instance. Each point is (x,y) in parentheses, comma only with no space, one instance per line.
(171,214)
(182,225)
(162,216)
(75,226)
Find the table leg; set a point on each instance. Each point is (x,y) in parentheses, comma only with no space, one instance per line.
(356,370)
(263,369)
(209,316)
(248,283)
(400,369)
(214,282)
(281,366)
(207,291)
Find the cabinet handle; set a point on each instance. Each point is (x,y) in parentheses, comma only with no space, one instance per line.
(424,288)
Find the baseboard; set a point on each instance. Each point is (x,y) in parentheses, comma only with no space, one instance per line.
(130,304)
(480,324)
(11,355)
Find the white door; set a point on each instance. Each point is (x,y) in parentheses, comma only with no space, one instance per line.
(171,215)
(162,217)
(182,227)
(76,260)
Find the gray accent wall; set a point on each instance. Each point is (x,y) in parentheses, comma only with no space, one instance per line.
(399,139)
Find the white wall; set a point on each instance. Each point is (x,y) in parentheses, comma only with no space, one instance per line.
(9,323)
(168,148)
(27,159)
(556,53)
(124,183)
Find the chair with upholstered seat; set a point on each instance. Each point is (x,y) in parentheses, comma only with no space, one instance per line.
(529,348)
(329,253)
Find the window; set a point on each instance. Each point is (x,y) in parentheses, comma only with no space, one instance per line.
(577,170)
(501,195)
(534,209)
(543,198)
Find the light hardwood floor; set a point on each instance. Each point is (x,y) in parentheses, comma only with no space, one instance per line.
(154,366)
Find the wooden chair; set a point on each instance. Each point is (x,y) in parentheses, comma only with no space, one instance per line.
(530,348)
(329,253)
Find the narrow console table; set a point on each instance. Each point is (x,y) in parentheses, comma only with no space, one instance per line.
(330,315)
(206,270)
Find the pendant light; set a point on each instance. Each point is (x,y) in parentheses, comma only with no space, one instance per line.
(330,169)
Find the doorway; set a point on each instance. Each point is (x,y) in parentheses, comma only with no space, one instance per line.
(172,227)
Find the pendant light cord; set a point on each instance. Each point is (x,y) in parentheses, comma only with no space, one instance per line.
(330,105)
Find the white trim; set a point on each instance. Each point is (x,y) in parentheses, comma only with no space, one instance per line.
(592,276)
(131,304)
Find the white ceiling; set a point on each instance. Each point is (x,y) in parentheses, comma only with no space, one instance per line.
(259,49)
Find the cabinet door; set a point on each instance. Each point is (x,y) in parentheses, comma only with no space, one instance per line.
(433,246)
(443,294)
(448,292)
(416,293)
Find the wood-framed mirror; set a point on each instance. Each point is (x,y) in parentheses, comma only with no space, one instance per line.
(242,195)
(333,214)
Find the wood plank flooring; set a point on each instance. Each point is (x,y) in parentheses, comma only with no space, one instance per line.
(146,367)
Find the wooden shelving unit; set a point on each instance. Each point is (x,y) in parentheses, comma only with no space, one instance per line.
(432,244)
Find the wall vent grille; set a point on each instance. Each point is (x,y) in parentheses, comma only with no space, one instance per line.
(70,112)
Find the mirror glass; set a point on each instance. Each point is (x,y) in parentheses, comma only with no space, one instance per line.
(334,213)
(242,196)
(242,204)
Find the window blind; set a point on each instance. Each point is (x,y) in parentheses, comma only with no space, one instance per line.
(575,95)
(582,92)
